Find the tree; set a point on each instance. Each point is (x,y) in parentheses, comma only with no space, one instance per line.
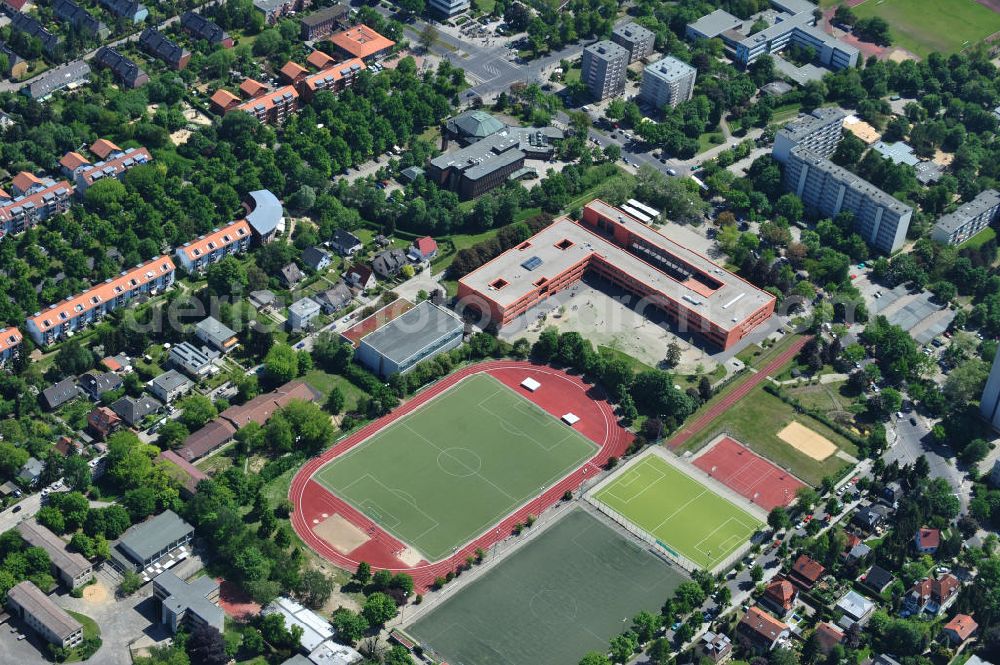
(595,658)
(197,410)
(379,608)
(965,382)
(12,458)
(227,276)
(428,37)
(778,518)
(782,656)
(645,625)
(623,646)
(874,29)
(73,358)
(316,588)
(131,582)
(844,16)
(172,434)
(757,573)
(253,642)
(364,573)
(808,497)
(673,355)
(205,645)
(335,401)
(351,626)
(281,364)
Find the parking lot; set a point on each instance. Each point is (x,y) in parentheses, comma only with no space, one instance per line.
(915,313)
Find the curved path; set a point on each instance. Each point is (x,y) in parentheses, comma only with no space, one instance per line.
(560,393)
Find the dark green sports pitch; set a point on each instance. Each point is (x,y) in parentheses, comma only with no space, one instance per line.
(440,476)
(559,596)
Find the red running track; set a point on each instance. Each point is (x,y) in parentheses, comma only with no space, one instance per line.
(560,393)
(739,468)
(736,394)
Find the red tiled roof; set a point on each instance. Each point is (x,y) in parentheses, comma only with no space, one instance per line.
(137,156)
(103,147)
(112,364)
(268,100)
(763,624)
(252,88)
(37,198)
(292,71)
(319,60)
(260,408)
(223,99)
(234,231)
(808,569)
(929,538)
(781,592)
(361,41)
(337,72)
(962,625)
(102,293)
(192,474)
(426,245)
(25,181)
(73,160)
(829,636)
(16,5)
(9,338)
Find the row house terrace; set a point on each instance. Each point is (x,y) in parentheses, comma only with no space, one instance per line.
(232,238)
(62,319)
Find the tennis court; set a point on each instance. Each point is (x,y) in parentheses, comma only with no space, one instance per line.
(443,474)
(758,479)
(678,510)
(561,595)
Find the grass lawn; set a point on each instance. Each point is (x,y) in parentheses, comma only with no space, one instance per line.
(756,420)
(484,6)
(705,141)
(440,476)
(609,353)
(90,631)
(980,239)
(822,397)
(925,26)
(559,596)
(325,383)
(679,511)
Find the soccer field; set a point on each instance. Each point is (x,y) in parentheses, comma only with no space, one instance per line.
(925,26)
(679,511)
(438,477)
(557,597)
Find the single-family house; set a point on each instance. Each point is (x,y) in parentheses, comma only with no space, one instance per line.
(96,383)
(335,299)
(423,249)
(855,609)
(959,629)
(263,300)
(103,421)
(30,472)
(59,393)
(388,263)
(806,572)
(345,243)
(170,386)
(780,597)
(892,492)
(360,276)
(317,258)
(213,332)
(828,636)
(932,596)
(194,361)
(870,517)
(760,632)
(878,579)
(134,409)
(927,540)
(302,312)
(291,275)
(717,647)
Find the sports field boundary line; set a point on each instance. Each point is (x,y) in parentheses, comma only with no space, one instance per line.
(774,467)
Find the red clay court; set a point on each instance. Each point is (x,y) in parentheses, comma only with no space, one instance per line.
(318,512)
(746,472)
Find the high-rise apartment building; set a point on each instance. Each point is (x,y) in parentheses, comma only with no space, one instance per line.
(667,82)
(603,69)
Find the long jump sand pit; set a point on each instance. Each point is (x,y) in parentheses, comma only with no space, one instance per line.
(806,441)
(344,536)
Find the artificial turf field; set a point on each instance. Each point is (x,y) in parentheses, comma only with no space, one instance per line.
(679,511)
(559,596)
(445,473)
(925,26)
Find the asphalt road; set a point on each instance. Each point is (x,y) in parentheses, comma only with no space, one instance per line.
(910,441)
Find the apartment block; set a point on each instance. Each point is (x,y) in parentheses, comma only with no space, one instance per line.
(697,294)
(820,132)
(233,238)
(637,40)
(322,23)
(969,219)
(10,344)
(989,405)
(667,82)
(200,27)
(153,41)
(37,201)
(603,69)
(334,78)
(77,312)
(879,218)
(117,164)
(124,69)
(80,18)
(272,107)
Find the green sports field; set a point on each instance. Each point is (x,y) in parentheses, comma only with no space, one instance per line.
(438,477)
(925,26)
(557,597)
(679,511)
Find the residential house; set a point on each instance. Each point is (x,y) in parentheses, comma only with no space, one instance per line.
(388,263)
(75,313)
(69,567)
(119,364)
(302,312)
(128,9)
(345,243)
(264,214)
(156,44)
(878,579)
(10,344)
(170,386)
(17,66)
(272,107)
(217,335)
(320,60)
(362,42)
(858,553)
(324,22)
(291,275)
(423,249)
(33,28)
(197,255)
(188,604)
(334,78)
(717,647)
(27,602)
(65,446)
(194,361)
(892,492)
(30,472)
(124,69)
(292,72)
(103,422)
(360,277)
(317,258)
(35,200)
(274,10)
(96,383)
(870,517)
(828,636)
(222,101)
(263,300)
(80,19)
(959,629)
(133,410)
(806,572)
(760,632)
(335,299)
(116,165)
(201,28)
(780,597)
(104,148)
(59,393)
(927,540)
(855,609)
(932,596)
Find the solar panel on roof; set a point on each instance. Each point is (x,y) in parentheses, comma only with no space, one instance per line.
(531,263)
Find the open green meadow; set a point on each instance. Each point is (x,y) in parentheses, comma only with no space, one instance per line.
(925,26)
(440,476)
(557,597)
(679,511)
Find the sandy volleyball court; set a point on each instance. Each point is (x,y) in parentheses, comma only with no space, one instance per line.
(807,441)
